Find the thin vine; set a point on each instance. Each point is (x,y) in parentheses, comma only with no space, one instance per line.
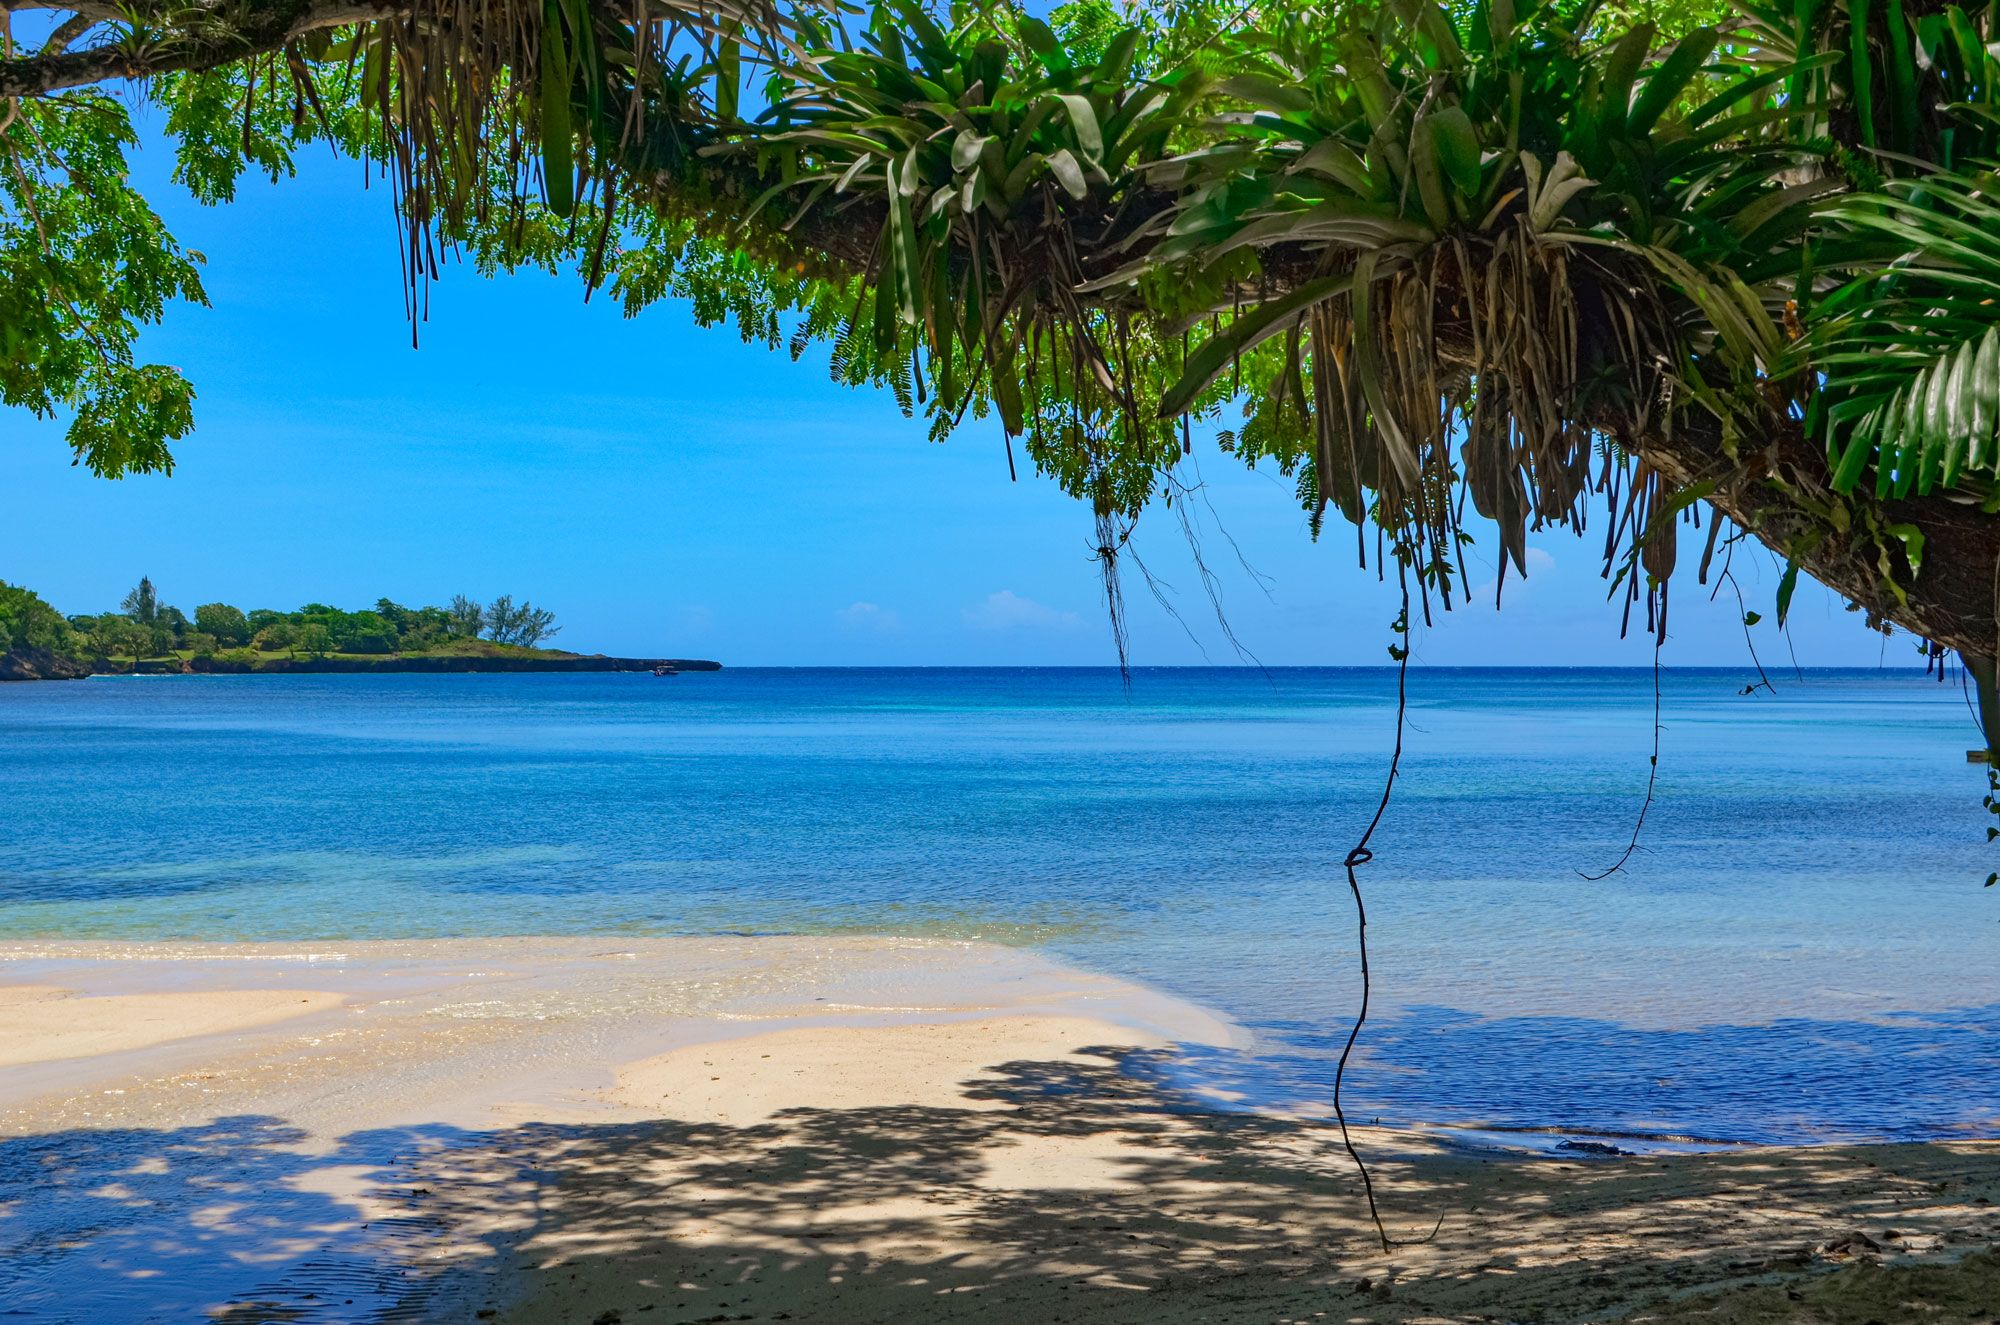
(1652,774)
(1749,619)
(1360,855)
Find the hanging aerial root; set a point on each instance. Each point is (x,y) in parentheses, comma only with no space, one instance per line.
(1474,367)
(1652,774)
(1358,856)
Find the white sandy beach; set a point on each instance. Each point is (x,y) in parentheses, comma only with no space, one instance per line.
(828,1129)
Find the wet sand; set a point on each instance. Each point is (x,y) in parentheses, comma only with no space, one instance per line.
(475,1033)
(830,1130)
(41,1024)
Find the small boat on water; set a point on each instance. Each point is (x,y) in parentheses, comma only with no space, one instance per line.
(666,669)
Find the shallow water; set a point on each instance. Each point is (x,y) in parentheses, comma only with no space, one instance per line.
(1801,951)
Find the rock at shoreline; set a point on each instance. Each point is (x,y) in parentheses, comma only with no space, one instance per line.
(41,665)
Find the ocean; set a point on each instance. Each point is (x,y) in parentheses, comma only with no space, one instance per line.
(1801,950)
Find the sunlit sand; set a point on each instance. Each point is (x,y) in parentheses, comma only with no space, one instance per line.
(830,1129)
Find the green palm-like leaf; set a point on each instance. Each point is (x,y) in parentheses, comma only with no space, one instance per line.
(1910,348)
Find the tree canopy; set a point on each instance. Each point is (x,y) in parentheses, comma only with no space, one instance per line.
(145,627)
(1552,261)
(26,622)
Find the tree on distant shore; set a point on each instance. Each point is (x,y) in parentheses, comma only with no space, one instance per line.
(364,632)
(163,626)
(171,629)
(122,637)
(141,603)
(148,627)
(226,623)
(524,626)
(418,629)
(107,635)
(28,623)
(314,640)
(278,636)
(467,617)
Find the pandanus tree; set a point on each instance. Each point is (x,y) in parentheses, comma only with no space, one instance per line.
(1498,266)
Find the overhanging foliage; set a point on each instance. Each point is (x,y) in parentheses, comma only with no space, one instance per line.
(1554,261)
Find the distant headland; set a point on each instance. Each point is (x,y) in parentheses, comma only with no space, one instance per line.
(148,637)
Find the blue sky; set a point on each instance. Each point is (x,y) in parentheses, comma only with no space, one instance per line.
(669,490)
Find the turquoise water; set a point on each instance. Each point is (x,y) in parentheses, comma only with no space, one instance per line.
(1802,950)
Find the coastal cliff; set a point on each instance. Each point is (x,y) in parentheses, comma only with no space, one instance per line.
(41,665)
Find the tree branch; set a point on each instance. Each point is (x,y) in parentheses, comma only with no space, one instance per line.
(1948,598)
(67,32)
(1776,494)
(267,26)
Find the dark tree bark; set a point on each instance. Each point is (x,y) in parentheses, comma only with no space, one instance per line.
(262,27)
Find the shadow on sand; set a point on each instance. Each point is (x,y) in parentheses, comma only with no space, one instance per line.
(1062,1191)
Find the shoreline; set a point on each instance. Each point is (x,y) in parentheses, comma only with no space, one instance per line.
(576,1008)
(386,665)
(829,1128)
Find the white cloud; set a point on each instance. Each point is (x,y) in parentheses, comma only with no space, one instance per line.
(1538,562)
(1007,610)
(870,617)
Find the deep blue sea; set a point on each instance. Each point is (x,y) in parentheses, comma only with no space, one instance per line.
(1801,950)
